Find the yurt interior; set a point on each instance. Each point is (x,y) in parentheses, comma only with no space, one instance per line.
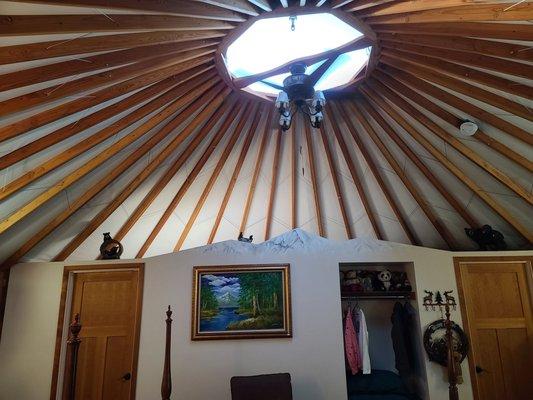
(266,199)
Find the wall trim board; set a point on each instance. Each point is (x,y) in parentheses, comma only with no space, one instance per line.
(65,287)
(458,262)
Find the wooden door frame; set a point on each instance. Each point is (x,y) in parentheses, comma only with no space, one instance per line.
(67,271)
(458,261)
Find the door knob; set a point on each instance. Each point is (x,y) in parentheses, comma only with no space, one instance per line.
(479,370)
(126,377)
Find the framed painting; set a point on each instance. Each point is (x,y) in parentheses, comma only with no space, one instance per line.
(241,302)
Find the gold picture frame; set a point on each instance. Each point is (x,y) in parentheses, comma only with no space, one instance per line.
(241,302)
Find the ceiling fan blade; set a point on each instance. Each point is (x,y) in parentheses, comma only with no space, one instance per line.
(315,76)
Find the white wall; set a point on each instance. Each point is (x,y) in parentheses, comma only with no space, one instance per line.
(201,370)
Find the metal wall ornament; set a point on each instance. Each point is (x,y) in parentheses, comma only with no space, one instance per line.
(110,249)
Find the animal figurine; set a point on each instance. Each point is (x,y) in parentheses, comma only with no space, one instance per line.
(367,282)
(449,299)
(241,238)
(385,278)
(428,299)
(400,282)
(352,282)
(487,238)
(110,249)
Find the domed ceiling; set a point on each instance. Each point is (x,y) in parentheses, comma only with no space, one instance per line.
(120,116)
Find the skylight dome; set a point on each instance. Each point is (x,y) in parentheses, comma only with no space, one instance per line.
(272,42)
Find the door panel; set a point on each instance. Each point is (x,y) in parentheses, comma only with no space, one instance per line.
(496,306)
(108,306)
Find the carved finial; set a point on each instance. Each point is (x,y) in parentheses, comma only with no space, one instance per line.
(169,314)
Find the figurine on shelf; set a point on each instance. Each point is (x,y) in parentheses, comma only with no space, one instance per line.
(487,238)
(427,299)
(249,239)
(385,278)
(352,282)
(110,249)
(367,281)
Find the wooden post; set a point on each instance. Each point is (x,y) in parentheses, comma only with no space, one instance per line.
(71,361)
(452,367)
(166,384)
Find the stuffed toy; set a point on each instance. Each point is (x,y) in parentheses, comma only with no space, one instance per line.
(384,278)
(352,282)
(367,281)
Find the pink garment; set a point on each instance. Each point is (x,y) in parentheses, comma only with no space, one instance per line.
(351,346)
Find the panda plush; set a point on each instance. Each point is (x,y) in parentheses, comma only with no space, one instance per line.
(384,278)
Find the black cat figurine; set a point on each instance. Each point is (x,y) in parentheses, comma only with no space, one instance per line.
(241,238)
(487,238)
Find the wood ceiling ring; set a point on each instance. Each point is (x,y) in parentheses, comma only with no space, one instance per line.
(369,39)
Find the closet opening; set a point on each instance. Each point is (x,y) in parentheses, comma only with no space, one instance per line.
(381,330)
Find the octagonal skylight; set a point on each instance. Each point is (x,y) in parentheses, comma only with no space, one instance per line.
(271,42)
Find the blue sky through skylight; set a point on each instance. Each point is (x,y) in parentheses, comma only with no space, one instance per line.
(269,43)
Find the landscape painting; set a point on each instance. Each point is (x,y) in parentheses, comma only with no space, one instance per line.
(236,302)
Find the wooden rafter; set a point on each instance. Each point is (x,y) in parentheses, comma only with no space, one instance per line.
(214,176)
(144,174)
(453,141)
(338,189)
(459,103)
(188,182)
(375,172)
(273,184)
(166,95)
(257,168)
(294,178)
(314,181)
(454,120)
(176,7)
(383,105)
(357,182)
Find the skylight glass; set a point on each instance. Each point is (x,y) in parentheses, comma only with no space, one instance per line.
(270,42)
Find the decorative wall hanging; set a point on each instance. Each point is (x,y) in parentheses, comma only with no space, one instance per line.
(444,341)
(110,249)
(241,302)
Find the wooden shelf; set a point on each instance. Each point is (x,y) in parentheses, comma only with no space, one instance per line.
(378,295)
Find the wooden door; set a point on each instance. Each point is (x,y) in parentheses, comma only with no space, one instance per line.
(496,305)
(109,307)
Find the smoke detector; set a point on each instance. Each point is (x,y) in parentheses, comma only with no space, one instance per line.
(468,128)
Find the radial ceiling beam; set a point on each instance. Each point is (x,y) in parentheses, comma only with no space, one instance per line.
(379,101)
(96,161)
(176,7)
(449,13)
(262,4)
(294,178)
(314,182)
(452,141)
(163,155)
(375,172)
(452,119)
(459,103)
(189,181)
(165,92)
(78,66)
(284,3)
(88,83)
(438,62)
(11,25)
(336,183)
(459,86)
(179,162)
(359,43)
(63,110)
(257,167)
(441,229)
(241,6)
(471,29)
(94,190)
(463,44)
(408,151)
(358,5)
(86,44)
(214,176)
(273,184)
(355,178)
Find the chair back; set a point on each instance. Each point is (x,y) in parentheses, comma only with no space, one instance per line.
(261,387)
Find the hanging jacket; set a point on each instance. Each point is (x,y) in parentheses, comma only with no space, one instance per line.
(351,346)
(362,339)
(403,364)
